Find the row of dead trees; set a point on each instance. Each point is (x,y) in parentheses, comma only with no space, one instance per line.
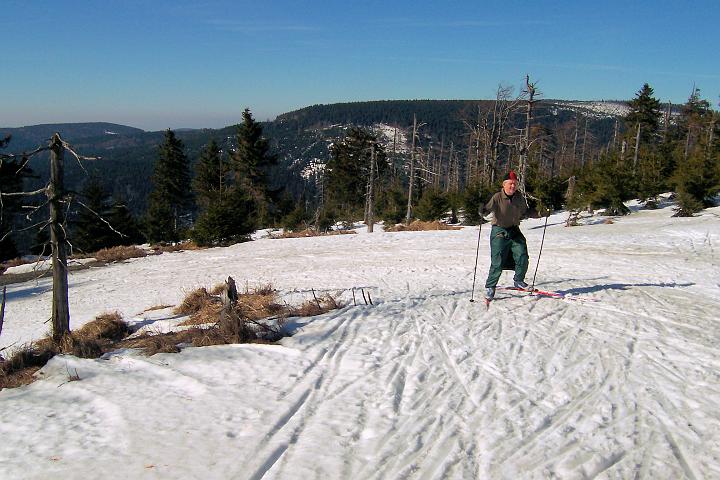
(488,136)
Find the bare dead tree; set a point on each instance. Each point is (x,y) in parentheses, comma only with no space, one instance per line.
(584,145)
(637,148)
(2,309)
(58,201)
(530,92)
(411,180)
(492,129)
(371,191)
(575,141)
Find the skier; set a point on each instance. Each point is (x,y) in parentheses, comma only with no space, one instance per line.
(508,248)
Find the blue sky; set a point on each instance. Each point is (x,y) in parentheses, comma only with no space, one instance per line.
(172,64)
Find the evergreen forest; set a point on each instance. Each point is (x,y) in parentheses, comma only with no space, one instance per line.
(394,161)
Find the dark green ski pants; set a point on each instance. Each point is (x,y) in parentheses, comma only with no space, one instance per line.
(508,251)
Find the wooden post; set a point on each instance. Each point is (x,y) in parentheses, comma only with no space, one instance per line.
(58,240)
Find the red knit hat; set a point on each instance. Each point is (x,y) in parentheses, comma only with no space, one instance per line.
(510,176)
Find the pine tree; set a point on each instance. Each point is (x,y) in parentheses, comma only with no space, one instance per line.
(124,222)
(160,222)
(12,173)
(229,220)
(171,200)
(90,230)
(252,162)
(433,205)
(348,170)
(210,175)
(646,111)
(697,176)
(391,204)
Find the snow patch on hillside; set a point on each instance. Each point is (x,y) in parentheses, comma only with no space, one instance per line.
(597,109)
(314,168)
(391,138)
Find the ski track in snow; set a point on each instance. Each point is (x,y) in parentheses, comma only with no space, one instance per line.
(423,384)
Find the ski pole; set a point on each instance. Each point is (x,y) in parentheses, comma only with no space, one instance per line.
(477,254)
(532,287)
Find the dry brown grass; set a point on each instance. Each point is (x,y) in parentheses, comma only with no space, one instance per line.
(193,302)
(310,308)
(161,343)
(177,247)
(204,307)
(156,307)
(207,314)
(419,225)
(209,325)
(311,232)
(119,253)
(90,341)
(15,262)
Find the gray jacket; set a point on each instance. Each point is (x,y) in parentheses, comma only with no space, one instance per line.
(508,211)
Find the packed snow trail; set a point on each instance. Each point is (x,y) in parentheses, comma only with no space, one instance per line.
(423,384)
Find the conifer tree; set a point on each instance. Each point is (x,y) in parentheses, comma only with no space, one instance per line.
(171,199)
(12,173)
(90,232)
(645,110)
(160,224)
(210,175)
(252,162)
(697,176)
(124,222)
(229,220)
(392,204)
(433,205)
(348,170)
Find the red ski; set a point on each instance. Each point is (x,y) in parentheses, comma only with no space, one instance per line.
(548,294)
(534,291)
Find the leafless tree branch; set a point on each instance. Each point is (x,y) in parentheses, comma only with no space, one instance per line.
(101,218)
(12,156)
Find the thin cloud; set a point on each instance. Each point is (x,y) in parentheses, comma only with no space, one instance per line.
(411,23)
(255,27)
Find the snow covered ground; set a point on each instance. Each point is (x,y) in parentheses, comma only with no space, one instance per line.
(620,380)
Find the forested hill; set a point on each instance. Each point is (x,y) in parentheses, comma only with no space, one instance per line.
(448,118)
(300,138)
(25,138)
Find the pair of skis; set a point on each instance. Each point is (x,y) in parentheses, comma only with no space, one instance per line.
(533,291)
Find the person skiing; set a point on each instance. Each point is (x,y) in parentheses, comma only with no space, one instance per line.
(508,248)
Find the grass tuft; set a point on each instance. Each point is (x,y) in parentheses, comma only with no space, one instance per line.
(90,341)
(209,324)
(311,232)
(419,225)
(193,302)
(119,253)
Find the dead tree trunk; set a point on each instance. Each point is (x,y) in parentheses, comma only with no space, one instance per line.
(525,148)
(58,240)
(411,181)
(582,156)
(574,151)
(371,191)
(637,148)
(2,309)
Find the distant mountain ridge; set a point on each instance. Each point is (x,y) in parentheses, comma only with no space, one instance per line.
(301,138)
(33,135)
